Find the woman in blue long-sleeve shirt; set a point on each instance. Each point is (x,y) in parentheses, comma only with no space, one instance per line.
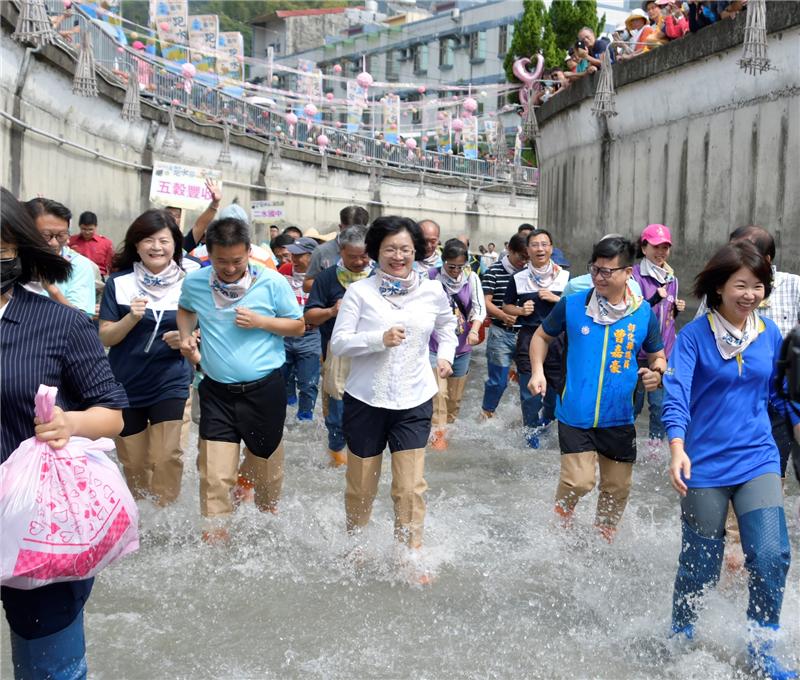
(720,380)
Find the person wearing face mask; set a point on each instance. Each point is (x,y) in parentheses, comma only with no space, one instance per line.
(530,296)
(301,370)
(660,289)
(605,329)
(52,220)
(53,344)
(720,382)
(501,340)
(138,321)
(244,312)
(463,288)
(384,325)
(321,309)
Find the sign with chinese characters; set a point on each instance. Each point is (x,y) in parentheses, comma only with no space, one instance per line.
(490,132)
(622,353)
(444,133)
(230,46)
(182,186)
(391,118)
(470,137)
(171,18)
(266,211)
(203,31)
(356,103)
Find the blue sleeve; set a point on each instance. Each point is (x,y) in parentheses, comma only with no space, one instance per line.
(286,306)
(79,290)
(678,386)
(109,309)
(511,293)
(653,342)
(186,300)
(556,322)
(781,404)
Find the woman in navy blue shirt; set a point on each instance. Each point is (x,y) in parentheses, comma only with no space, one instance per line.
(137,321)
(44,342)
(720,380)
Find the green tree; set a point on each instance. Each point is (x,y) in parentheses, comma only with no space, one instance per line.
(528,36)
(567,17)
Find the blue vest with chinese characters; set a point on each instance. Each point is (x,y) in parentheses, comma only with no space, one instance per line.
(601,369)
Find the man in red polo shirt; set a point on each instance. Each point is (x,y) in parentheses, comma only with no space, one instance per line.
(89,243)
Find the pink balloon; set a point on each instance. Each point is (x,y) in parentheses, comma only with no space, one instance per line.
(364,79)
(188,70)
(322,141)
(120,49)
(424,139)
(338,123)
(337,68)
(176,102)
(411,143)
(421,89)
(164,25)
(470,104)
(329,96)
(291,118)
(457,124)
(67,4)
(440,115)
(520,69)
(310,110)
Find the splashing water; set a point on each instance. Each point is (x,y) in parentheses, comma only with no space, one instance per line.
(514,595)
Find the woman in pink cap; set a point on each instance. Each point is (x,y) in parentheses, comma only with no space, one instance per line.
(660,289)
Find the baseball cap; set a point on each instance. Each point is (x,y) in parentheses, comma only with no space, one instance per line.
(302,246)
(656,234)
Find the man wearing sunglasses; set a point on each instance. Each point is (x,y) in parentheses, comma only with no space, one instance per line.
(605,328)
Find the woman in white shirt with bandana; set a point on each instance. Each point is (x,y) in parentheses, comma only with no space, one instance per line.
(385,324)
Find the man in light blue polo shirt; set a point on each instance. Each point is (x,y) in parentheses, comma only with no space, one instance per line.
(244,312)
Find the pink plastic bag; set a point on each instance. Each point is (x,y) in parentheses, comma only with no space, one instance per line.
(64,514)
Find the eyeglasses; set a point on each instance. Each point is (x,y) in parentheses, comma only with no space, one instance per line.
(61,237)
(455,267)
(603,272)
(539,244)
(392,251)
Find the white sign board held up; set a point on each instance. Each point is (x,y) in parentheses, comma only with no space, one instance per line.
(182,186)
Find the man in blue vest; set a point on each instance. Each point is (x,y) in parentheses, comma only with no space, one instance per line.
(606,327)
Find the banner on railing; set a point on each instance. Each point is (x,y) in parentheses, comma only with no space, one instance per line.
(182,186)
(171,18)
(443,133)
(470,137)
(266,211)
(230,59)
(391,118)
(356,103)
(490,132)
(203,34)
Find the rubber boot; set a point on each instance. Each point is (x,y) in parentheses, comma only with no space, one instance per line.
(166,459)
(362,477)
(699,566)
(267,475)
(455,393)
(243,491)
(132,453)
(186,423)
(338,458)
(408,485)
(761,653)
(218,463)
(439,418)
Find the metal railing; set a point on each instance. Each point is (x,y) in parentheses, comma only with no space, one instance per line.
(206,101)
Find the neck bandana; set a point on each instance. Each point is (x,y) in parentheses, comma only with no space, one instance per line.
(451,285)
(432,261)
(604,313)
(390,286)
(543,277)
(730,340)
(228,294)
(346,277)
(510,268)
(156,286)
(663,274)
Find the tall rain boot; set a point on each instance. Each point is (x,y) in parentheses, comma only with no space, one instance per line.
(132,453)
(408,485)
(615,487)
(699,566)
(267,478)
(186,423)
(439,419)
(362,477)
(166,459)
(761,653)
(455,393)
(243,491)
(577,478)
(218,463)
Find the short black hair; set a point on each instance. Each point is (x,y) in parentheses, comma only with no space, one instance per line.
(226,232)
(758,236)
(725,263)
(617,246)
(47,206)
(390,225)
(525,227)
(87,218)
(281,241)
(147,224)
(36,258)
(454,248)
(353,214)
(517,244)
(293,228)
(539,232)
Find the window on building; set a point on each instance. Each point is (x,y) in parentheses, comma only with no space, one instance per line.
(446,53)
(502,100)
(415,104)
(502,40)
(477,46)
(391,65)
(420,59)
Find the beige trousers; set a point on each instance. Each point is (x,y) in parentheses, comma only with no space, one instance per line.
(218,463)
(132,454)
(447,402)
(578,478)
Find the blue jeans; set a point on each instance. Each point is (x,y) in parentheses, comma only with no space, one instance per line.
(535,410)
(59,656)
(655,401)
(460,364)
(500,348)
(302,368)
(333,421)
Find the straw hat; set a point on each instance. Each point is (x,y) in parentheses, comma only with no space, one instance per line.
(636,14)
(314,233)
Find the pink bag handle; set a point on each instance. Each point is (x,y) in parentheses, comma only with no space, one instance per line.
(44,402)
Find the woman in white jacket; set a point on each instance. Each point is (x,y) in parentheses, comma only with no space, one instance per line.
(385,323)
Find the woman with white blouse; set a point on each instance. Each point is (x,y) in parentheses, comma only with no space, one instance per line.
(384,324)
